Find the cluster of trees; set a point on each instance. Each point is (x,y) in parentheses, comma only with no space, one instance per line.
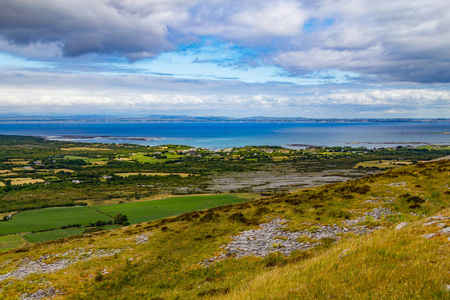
(121,220)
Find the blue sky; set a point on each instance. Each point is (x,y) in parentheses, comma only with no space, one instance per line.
(327,58)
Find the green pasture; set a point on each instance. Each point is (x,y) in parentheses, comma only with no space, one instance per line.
(44,236)
(10,242)
(75,157)
(138,212)
(96,160)
(140,157)
(39,237)
(88,160)
(50,218)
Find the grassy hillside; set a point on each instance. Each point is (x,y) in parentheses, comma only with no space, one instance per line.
(165,259)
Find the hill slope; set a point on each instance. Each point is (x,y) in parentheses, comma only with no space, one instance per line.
(348,248)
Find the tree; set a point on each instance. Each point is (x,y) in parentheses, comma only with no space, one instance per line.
(121,219)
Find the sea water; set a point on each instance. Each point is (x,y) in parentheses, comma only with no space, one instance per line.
(226,135)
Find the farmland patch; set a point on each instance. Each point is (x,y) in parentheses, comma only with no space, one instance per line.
(153,174)
(151,210)
(50,218)
(85,149)
(45,236)
(20,181)
(10,242)
(382,164)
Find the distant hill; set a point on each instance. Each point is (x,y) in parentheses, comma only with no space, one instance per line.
(206,119)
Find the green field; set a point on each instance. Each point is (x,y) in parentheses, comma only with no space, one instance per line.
(50,218)
(10,242)
(100,160)
(138,212)
(44,236)
(75,157)
(140,157)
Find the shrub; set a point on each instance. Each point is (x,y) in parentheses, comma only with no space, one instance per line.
(239,217)
(414,206)
(120,219)
(261,211)
(209,217)
(274,259)
(415,199)
(339,214)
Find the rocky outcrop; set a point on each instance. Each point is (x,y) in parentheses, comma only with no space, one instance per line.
(40,294)
(271,238)
(374,214)
(439,222)
(59,262)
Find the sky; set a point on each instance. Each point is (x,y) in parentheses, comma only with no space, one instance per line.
(280,58)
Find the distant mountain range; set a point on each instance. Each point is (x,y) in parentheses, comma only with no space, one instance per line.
(207,119)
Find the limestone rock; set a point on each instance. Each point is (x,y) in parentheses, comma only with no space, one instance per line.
(401,225)
(429,235)
(445,231)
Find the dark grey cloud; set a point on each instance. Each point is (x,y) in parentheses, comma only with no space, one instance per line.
(81,27)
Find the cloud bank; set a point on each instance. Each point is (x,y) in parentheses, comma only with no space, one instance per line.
(137,94)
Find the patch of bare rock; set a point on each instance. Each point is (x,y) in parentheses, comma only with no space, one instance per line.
(439,222)
(271,238)
(141,239)
(374,214)
(40,294)
(58,262)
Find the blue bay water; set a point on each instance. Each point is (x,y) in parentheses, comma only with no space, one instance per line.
(225,135)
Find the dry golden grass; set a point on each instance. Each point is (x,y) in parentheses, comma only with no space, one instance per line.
(20,181)
(17,162)
(383,164)
(7,214)
(99,163)
(153,174)
(63,170)
(8,174)
(85,149)
(280,158)
(25,168)
(388,264)
(2,184)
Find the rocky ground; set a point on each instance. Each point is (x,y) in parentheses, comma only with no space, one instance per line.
(271,237)
(284,179)
(441,226)
(54,262)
